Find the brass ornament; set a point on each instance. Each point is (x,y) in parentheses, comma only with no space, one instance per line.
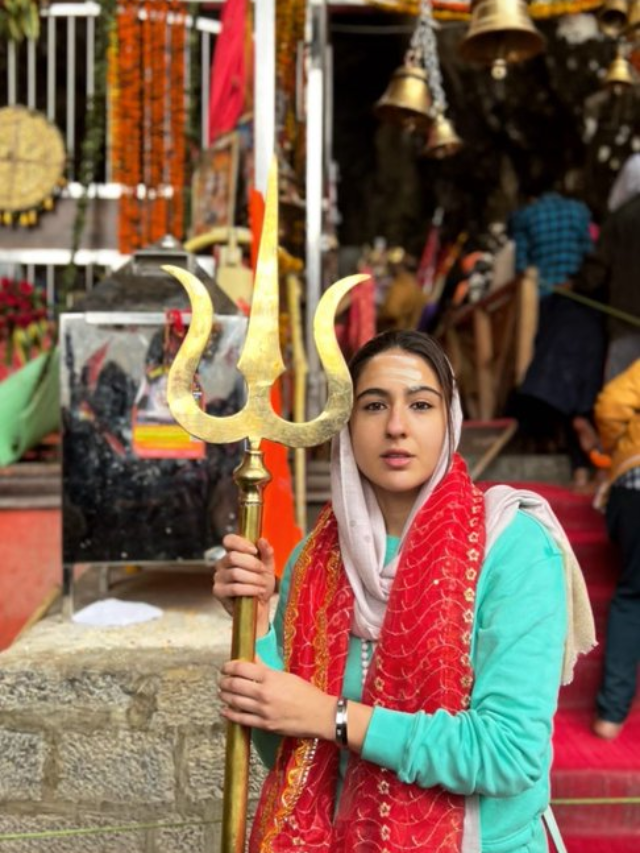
(632,31)
(613,17)
(620,74)
(32,164)
(442,139)
(261,364)
(501,32)
(407,99)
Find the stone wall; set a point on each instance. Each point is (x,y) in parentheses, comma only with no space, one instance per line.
(105,728)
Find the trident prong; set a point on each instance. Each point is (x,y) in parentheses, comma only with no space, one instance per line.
(261,364)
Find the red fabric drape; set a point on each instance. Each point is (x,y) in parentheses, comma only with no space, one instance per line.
(229,71)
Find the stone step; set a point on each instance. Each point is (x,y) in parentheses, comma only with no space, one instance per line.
(30,485)
(118,726)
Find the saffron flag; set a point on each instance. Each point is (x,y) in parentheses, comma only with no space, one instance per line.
(278,524)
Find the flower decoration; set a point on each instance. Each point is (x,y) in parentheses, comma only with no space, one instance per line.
(25,330)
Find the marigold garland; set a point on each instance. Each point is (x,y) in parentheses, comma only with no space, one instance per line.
(290,20)
(147,73)
(458,10)
(178,112)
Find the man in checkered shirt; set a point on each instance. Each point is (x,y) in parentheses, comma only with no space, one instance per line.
(552,234)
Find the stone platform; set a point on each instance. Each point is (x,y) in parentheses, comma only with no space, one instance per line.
(105,727)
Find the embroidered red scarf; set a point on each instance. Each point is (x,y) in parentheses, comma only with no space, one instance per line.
(421,663)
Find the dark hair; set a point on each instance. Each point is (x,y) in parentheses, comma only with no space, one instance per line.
(424,346)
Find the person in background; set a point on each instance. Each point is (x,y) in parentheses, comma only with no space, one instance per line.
(617,413)
(611,272)
(553,235)
(403,697)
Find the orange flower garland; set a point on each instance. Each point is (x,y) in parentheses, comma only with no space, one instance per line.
(290,19)
(178,112)
(147,78)
(127,132)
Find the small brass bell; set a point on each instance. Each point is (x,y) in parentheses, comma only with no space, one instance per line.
(613,16)
(500,32)
(407,98)
(442,140)
(619,74)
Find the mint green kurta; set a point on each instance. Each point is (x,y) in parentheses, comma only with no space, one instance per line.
(500,748)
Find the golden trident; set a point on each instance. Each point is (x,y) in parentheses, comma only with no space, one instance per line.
(261,364)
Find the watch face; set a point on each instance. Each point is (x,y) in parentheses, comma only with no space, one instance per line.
(32,158)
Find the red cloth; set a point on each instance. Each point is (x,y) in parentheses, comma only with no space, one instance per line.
(228,71)
(421,663)
(362,314)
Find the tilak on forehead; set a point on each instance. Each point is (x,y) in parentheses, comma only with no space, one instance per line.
(402,367)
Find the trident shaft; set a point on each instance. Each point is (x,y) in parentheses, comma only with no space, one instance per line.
(261,364)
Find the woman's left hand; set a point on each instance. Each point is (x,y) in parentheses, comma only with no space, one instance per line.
(255,695)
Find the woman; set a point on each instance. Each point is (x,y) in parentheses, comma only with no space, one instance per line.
(416,654)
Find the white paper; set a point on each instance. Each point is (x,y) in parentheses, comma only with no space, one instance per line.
(113,613)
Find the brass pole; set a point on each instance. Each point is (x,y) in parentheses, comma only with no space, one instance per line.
(251,477)
(261,364)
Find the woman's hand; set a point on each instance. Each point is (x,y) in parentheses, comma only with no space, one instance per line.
(246,570)
(275,701)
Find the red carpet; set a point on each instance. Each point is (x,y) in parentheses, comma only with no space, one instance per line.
(586,767)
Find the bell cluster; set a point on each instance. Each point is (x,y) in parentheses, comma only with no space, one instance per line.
(620,20)
(500,33)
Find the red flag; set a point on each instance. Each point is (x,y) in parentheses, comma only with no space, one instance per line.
(229,70)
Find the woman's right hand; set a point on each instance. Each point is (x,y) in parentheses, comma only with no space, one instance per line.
(246,570)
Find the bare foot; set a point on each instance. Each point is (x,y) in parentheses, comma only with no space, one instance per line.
(606,729)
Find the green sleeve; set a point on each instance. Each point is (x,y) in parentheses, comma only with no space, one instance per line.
(269,650)
(499,747)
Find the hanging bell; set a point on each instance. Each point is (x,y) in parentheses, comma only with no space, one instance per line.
(612,18)
(500,32)
(620,74)
(442,140)
(407,99)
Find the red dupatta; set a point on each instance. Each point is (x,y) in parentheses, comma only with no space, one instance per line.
(421,663)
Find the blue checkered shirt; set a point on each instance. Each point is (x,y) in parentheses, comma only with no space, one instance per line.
(551,234)
(630,479)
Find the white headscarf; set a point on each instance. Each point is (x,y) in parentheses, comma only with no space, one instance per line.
(363,541)
(362,531)
(627,184)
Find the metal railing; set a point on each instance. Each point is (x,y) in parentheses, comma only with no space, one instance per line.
(54,75)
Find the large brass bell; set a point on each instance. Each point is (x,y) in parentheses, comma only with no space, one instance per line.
(407,99)
(442,140)
(500,32)
(613,16)
(619,74)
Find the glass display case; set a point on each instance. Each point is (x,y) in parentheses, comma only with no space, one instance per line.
(136,487)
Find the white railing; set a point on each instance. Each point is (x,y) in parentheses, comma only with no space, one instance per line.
(55,75)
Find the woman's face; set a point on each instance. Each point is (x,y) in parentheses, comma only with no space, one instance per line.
(398,424)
